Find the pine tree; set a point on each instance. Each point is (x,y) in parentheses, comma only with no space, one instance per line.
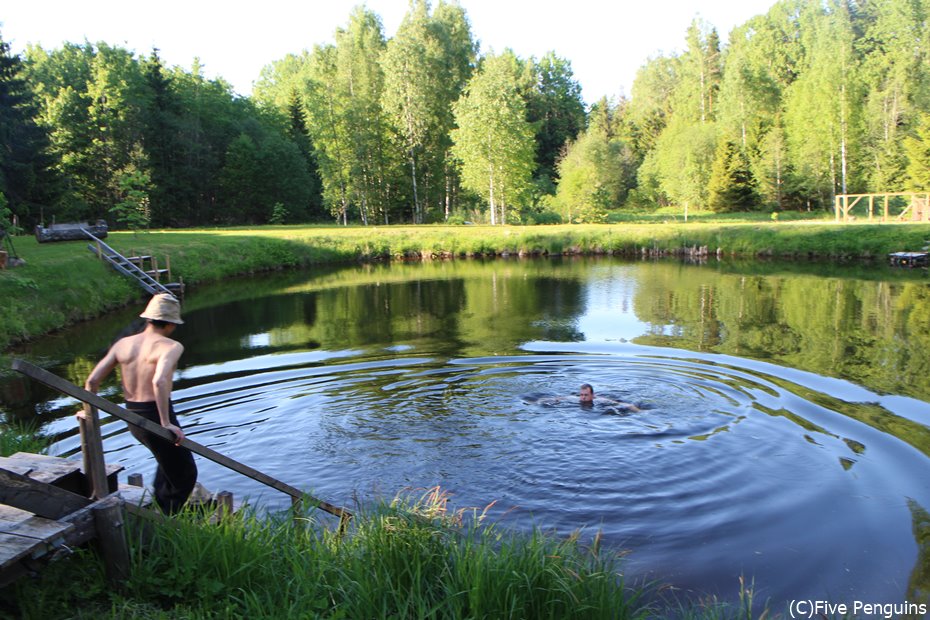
(730,186)
(299,135)
(28,179)
(918,153)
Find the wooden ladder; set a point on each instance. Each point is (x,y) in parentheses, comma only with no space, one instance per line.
(125,266)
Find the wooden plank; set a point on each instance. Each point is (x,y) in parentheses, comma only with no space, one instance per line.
(66,387)
(36,527)
(37,497)
(40,467)
(83,521)
(13,549)
(10,516)
(63,473)
(78,528)
(92,449)
(136,496)
(31,538)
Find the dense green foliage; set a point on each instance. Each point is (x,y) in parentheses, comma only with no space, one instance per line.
(18,437)
(27,177)
(806,101)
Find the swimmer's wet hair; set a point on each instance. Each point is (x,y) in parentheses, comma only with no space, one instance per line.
(587,385)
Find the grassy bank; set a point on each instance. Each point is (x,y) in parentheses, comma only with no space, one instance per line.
(407,560)
(410,559)
(63,283)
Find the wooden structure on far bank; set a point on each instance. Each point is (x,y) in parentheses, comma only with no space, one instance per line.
(917,208)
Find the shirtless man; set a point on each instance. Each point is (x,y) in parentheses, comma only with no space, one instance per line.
(147,363)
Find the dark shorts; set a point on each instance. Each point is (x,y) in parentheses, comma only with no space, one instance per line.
(177,472)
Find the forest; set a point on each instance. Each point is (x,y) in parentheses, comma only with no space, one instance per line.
(811,99)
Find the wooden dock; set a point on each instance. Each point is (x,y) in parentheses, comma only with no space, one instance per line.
(45,510)
(49,505)
(909,259)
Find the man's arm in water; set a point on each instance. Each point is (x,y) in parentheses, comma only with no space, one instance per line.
(611,401)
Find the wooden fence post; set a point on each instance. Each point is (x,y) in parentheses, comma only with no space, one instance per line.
(95,468)
(109,523)
(224,506)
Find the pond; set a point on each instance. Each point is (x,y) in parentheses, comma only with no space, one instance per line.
(783,434)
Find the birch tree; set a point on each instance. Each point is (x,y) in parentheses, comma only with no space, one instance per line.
(823,106)
(493,140)
(426,66)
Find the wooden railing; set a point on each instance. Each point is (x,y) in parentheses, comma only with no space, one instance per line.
(92,446)
(917,207)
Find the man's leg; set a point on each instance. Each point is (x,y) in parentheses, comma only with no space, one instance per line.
(177,472)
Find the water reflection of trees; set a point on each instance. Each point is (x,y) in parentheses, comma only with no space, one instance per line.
(918,586)
(870,332)
(468,310)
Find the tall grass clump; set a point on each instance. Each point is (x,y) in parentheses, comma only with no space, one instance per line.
(21,437)
(410,559)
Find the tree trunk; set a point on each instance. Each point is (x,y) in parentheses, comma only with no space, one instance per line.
(491,197)
(447,196)
(413,178)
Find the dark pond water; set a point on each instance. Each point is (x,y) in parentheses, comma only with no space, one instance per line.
(784,433)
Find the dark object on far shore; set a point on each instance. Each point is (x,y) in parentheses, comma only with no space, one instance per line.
(909,259)
(71,231)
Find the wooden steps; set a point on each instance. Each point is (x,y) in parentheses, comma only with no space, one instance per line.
(62,473)
(28,487)
(143,269)
(28,540)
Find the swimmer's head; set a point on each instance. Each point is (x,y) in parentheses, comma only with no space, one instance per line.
(586,393)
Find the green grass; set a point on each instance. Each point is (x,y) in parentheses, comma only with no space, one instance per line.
(407,560)
(22,438)
(62,283)
(410,559)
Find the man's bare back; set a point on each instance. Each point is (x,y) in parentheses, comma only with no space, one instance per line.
(139,357)
(147,363)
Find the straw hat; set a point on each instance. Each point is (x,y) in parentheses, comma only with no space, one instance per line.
(163,307)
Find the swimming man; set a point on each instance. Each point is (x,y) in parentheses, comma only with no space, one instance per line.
(587,399)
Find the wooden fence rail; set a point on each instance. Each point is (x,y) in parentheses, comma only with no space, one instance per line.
(916,210)
(92,400)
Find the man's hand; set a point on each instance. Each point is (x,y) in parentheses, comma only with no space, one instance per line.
(178,433)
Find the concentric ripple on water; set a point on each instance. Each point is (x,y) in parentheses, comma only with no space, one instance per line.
(811,485)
